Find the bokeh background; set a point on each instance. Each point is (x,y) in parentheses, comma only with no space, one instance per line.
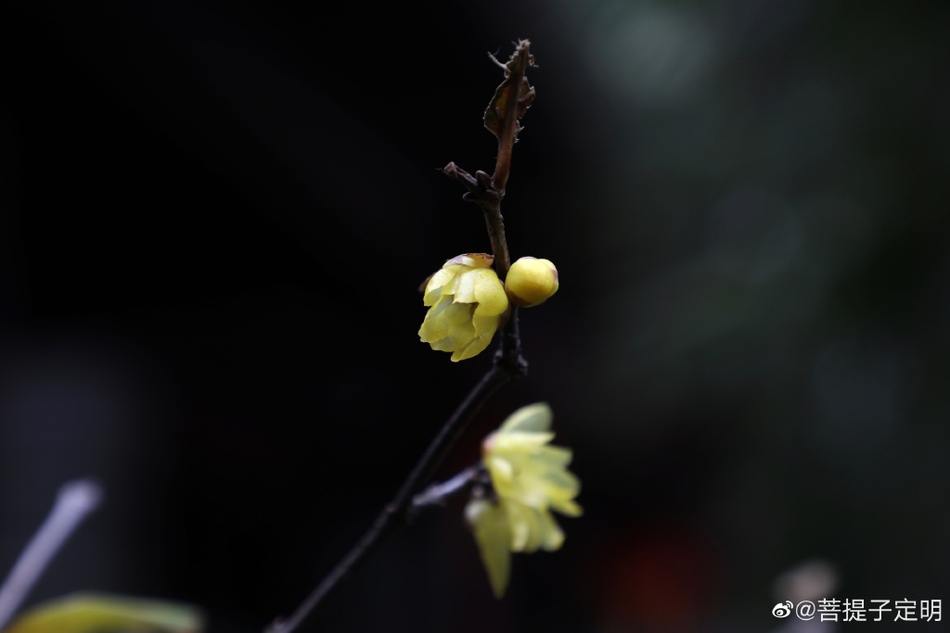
(214,218)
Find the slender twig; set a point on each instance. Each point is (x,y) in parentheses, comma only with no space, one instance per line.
(506,142)
(386,522)
(482,192)
(74,502)
(511,100)
(438,493)
(486,191)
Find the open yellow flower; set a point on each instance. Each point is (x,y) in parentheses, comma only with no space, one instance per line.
(530,479)
(466,303)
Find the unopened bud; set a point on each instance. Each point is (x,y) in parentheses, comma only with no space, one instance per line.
(531,281)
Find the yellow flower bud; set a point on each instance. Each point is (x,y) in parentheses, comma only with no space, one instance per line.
(466,303)
(531,281)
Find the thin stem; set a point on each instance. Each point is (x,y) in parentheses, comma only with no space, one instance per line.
(439,493)
(485,195)
(506,141)
(74,502)
(512,98)
(499,244)
(386,522)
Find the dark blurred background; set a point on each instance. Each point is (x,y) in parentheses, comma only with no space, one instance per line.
(214,218)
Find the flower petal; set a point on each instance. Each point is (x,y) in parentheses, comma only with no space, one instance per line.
(433,326)
(489,293)
(474,347)
(442,277)
(465,289)
(492,535)
(521,442)
(534,417)
(500,469)
(562,480)
(525,527)
(551,535)
(567,507)
(554,457)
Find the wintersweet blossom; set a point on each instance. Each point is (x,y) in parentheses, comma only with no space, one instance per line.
(466,303)
(529,478)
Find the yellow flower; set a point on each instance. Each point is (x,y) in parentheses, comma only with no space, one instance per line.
(531,281)
(530,479)
(466,304)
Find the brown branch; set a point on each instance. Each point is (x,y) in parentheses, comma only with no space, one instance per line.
(512,98)
(482,192)
(518,95)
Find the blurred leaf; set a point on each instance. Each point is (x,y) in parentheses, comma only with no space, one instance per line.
(106,613)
